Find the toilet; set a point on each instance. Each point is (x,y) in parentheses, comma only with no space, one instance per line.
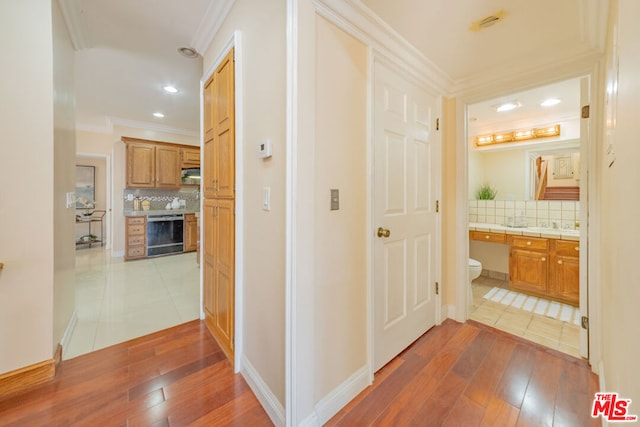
(475,269)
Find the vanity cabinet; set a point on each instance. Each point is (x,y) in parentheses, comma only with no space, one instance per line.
(528,264)
(544,267)
(565,271)
(135,237)
(549,268)
(190,232)
(152,165)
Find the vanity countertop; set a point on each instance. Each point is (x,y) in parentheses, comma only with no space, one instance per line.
(159,212)
(548,233)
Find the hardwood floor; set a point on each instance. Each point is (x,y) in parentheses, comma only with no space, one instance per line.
(473,375)
(175,377)
(454,375)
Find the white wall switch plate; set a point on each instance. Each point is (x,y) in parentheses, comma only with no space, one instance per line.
(266,198)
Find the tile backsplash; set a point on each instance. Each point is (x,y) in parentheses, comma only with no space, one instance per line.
(536,213)
(159,198)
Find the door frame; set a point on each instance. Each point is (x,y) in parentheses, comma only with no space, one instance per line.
(590,224)
(235,42)
(376,56)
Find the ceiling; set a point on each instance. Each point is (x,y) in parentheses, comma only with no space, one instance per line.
(126,51)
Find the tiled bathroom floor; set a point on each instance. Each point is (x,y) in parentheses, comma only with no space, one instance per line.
(552,333)
(117,301)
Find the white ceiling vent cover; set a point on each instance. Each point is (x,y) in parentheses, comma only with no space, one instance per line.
(487,22)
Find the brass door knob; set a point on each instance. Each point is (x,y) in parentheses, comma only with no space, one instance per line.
(382,232)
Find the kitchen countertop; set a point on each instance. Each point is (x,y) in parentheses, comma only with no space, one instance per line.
(160,212)
(549,233)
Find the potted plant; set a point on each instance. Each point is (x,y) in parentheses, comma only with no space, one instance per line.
(486,192)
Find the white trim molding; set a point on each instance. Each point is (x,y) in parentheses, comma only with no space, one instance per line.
(117,121)
(76,25)
(211,22)
(329,405)
(68,332)
(263,393)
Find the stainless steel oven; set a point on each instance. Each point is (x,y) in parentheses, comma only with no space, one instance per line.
(165,234)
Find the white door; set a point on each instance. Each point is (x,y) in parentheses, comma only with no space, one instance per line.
(407,152)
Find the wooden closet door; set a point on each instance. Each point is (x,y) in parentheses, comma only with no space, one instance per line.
(224,129)
(218,215)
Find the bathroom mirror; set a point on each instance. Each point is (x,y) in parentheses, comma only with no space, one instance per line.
(538,168)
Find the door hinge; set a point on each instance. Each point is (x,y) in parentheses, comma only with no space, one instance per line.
(584,321)
(437,206)
(437,123)
(585,111)
(437,288)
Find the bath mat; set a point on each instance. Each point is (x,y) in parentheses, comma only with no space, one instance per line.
(541,306)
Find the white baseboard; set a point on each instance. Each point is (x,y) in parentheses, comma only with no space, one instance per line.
(338,398)
(603,387)
(265,396)
(68,332)
(448,312)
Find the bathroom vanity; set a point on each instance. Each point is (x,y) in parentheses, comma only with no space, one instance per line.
(539,265)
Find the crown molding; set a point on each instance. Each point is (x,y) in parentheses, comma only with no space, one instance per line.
(211,22)
(76,26)
(358,20)
(117,121)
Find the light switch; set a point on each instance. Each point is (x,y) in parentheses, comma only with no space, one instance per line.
(335,199)
(266,198)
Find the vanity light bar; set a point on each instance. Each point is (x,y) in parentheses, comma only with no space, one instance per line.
(521,135)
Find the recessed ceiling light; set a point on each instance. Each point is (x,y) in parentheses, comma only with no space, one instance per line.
(170,89)
(158,115)
(188,52)
(507,106)
(550,102)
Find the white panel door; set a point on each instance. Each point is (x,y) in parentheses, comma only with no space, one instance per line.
(407,154)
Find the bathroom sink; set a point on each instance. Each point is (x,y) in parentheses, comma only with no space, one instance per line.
(567,232)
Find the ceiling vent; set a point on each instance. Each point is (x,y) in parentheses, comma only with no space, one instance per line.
(483,23)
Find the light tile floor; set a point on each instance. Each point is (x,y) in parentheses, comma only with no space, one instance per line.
(555,334)
(117,300)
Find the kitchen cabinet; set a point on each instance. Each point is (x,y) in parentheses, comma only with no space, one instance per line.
(190,158)
(135,237)
(190,232)
(152,165)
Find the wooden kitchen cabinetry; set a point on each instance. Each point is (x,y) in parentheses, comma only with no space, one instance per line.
(151,165)
(190,158)
(190,232)
(135,237)
(487,236)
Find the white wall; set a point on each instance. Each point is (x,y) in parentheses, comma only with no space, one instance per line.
(341,236)
(64,145)
(262,25)
(26,205)
(620,279)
